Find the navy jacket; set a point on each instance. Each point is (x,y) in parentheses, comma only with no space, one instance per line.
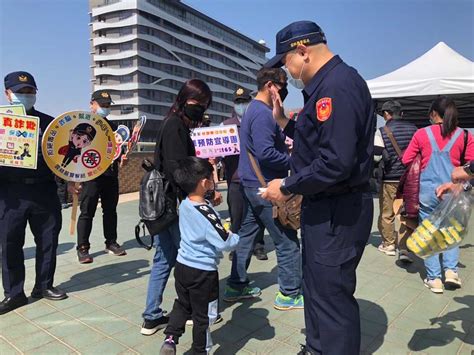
(42,172)
(403,132)
(261,135)
(334,135)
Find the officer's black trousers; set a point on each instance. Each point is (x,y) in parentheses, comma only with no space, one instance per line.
(38,205)
(335,231)
(107,188)
(237,210)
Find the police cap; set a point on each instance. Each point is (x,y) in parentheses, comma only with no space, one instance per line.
(85,128)
(242,94)
(102,97)
(296,33)
(18,80)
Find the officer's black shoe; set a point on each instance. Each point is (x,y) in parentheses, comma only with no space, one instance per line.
(11,303)
(304,350)
(260,254)
(114,248)
(83,255)
(52,293)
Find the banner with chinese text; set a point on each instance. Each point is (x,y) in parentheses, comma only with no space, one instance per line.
(217,141)
(19,139)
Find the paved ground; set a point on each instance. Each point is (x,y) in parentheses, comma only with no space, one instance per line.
(103,312)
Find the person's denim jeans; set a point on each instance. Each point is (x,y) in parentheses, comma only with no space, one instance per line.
(450,260)
(167,245)
(287,247)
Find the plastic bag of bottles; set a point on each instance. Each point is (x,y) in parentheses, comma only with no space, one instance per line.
(446,227)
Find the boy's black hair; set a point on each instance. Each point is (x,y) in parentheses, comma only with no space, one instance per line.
(190,171)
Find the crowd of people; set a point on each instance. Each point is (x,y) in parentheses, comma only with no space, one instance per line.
(335,142)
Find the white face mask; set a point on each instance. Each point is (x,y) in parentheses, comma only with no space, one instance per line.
(103,112)
(240,109)
(297,83)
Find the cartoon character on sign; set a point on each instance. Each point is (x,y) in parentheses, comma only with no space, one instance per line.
(80,137)
(26,152)
(121,137)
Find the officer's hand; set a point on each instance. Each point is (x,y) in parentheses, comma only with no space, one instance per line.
(273,192)
(460,175)
(217,199)
(71,188)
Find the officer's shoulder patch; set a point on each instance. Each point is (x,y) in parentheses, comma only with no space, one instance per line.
(212,217)
(323,109)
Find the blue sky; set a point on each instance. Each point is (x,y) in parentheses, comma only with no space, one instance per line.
(50,38)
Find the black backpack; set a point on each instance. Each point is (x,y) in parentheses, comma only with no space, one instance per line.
(157,205)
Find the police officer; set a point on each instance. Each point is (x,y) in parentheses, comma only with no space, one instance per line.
(28,196)
(331,165)
(105,187)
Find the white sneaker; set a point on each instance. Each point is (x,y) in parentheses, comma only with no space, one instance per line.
(388,250)
(435,285)
(452,279)
(404,255)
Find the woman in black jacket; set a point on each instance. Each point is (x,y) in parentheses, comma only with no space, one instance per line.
(186,113)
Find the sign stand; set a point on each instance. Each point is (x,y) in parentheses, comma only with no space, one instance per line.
(75,203)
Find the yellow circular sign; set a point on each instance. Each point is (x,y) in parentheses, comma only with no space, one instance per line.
(78,146)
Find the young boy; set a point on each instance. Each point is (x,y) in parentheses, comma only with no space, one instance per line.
(203,238)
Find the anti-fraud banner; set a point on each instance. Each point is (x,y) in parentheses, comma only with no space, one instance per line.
(217,141)
(19,141)
(78,146)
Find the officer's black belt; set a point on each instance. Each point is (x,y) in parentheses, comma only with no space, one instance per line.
(340,190)
(26,181)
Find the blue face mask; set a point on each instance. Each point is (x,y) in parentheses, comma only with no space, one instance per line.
(104,112)
(240,109)
(27,100)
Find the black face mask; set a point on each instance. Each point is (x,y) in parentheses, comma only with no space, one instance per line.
(283,92)
(194,112)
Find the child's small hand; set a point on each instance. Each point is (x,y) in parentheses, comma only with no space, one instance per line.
(73,189)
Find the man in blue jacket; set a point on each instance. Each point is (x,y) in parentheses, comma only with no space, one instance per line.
(262,138)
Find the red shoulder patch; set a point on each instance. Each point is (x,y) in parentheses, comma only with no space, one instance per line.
(323,109)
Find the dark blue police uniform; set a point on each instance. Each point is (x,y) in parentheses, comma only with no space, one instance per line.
(28,196)
(331,164)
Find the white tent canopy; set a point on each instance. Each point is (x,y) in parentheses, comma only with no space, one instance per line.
(440,71)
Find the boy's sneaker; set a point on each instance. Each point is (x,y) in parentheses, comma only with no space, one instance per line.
(452,279)
(168,347)
(114,248)
(404,256)
(286,303)
(260,254)
(150,327)
(435,285)
(232,295)
(388,250)
(218,320)
(83,255)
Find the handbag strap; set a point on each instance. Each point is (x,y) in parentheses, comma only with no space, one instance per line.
(256,169)
(389,133)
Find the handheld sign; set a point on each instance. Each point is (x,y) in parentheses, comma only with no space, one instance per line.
(13,109)
(122,134)
(19,137)
(78,146)
(219,141)
(136,132)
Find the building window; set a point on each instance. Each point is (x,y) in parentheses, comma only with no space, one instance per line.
(102,49)
(127,46)
(126,79)
(125,14)
(126,31)
(126,94)
(126,109)
(125,63)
